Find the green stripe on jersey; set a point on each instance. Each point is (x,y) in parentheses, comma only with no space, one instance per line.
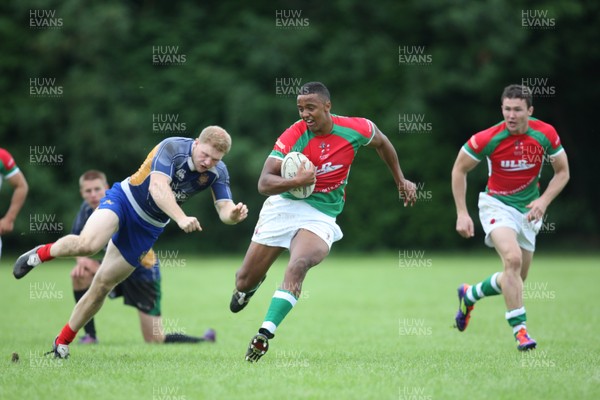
(299,146)
(543,141)
(520,199)
(302,141)
(330,204)
(356,139)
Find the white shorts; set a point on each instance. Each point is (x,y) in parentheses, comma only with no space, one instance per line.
(494,214)
(280,219)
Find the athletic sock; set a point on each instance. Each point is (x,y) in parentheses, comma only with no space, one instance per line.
(44,252)
(66,335)
(181,338)
(281,304)
(90,327)
(517,319)
(487,287)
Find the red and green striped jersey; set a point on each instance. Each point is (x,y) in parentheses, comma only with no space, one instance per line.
(332,155)
(515,161)
(8,167)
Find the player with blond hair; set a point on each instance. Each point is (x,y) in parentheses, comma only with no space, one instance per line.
(133,214)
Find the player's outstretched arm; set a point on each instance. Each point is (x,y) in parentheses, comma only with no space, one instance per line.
(160,190)
(462,166)
(231,213)
(271,182)
(537,208)
(19,184)
(387,152)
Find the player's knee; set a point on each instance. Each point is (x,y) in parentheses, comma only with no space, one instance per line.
(300,266)
(244,281)
(100,288)
(513,261)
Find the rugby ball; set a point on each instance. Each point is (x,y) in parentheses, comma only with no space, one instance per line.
(289,169)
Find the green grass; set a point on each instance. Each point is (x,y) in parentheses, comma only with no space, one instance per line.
(365,328)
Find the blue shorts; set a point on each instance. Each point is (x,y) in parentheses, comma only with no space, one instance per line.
(135,236)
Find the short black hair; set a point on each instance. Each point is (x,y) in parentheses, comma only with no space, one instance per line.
(517,92)
(315,88)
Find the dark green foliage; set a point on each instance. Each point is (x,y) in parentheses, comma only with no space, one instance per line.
(233,56)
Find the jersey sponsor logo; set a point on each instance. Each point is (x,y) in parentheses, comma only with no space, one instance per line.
(279,144)
(327,168)
(180,174)
(515,165)
(109,202)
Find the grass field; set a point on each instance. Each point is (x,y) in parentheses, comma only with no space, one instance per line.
(375,327)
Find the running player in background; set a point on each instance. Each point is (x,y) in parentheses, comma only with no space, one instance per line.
(14,176)
(133,214)
(511,209)
(307,227)
(141,289)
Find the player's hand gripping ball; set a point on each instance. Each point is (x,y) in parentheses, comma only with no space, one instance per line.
(289,168)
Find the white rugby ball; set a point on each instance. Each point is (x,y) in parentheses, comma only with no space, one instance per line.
(289,169)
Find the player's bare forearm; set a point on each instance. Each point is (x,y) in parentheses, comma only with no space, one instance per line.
(461,168)
(390,158)
(459,191)
(387,152)
(271,182)
(559,180)
(163,196)
(230,213)
(18,197)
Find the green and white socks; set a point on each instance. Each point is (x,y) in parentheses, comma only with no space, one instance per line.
(517,318)
(281,304)
(487,287)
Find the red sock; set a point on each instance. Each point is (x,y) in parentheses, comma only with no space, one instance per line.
(66,336)
(44,252)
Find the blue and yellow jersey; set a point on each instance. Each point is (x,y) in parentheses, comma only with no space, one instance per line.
(173,157)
